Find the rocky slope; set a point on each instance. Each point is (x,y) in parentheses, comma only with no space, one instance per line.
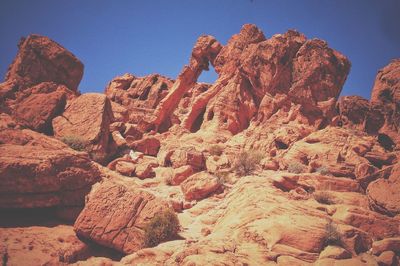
(267,166)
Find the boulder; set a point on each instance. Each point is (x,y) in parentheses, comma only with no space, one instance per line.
(147,145)
(386,244)
(200,186)
(383,194)
(86,121)
(187,156)
(41,59)
(385,99)
(37,172)
(335,252)
(115,215)
(36,107)
(181,174)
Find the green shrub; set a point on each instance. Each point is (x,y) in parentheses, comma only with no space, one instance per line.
(247,162)
(162,227)
(75,142)
(332,235)
(323,197)
(216,150)
(296,168)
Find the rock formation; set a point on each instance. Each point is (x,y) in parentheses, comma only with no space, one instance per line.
(267,166)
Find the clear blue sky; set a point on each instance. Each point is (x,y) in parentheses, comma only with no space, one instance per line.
(142,37)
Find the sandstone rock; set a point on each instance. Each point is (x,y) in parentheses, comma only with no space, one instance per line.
(383,194)
(132,132)
(377,225)
(187,156)
(44,245)
(37,171)
(118,139)
(181,174)
(144,168)
(147,145)
(335,252)
(353,110)
(87,120)
(125,168)
(37,106)
(116,214)
(204,52)
(134,92)
(386,244)
(385,98)
(200,185)
(388,258)
(40,59)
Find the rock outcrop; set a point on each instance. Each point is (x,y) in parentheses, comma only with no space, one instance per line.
(115,215)
(40,59)
(85,122)
(321,178)
(383,194)
(38,172)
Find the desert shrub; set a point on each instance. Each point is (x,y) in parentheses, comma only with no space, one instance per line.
(323,170)
(323,197)
(75,142)
(162,227)
(216,150)
(296,168)
(332,235)
(247,162)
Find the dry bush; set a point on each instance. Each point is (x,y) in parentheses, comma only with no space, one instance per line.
(323,197)
(75,142)
(323,170)
(162,227)
(247,162)
(296,168)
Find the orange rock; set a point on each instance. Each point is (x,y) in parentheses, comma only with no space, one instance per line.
(40,59)
(385,99)
(116,214)
(38,171)
(87,120)
(200,186)
(147,145)
(181,174)
(187,156)
(383,194)
(36,107)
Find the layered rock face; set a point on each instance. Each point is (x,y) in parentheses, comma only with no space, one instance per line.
(267,166)
(39,172)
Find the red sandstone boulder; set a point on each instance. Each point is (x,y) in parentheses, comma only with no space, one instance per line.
(352,110)
(187,156)
(200,186)
(36,107)
(37,171)
(115,215)
(86,120)
(385,99)
(40,59)
(181,174)
(147,145)
(383,194)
